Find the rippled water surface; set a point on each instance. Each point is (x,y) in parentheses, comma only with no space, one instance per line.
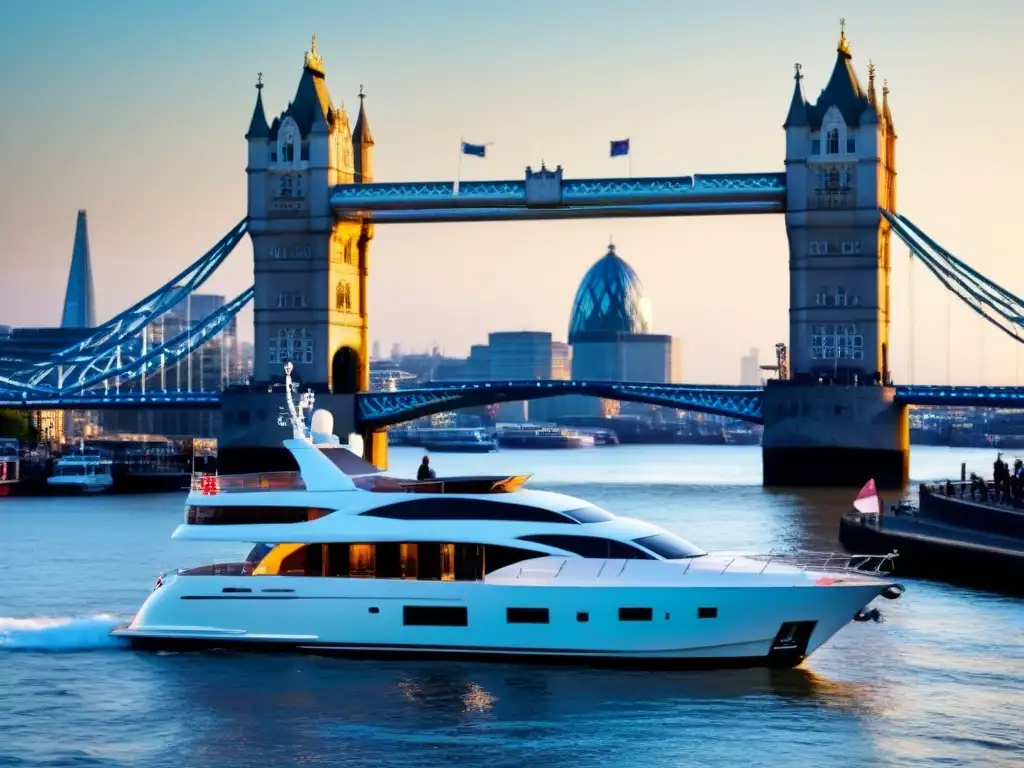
(940,682)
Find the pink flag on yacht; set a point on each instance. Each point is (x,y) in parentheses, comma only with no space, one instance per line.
(868,501)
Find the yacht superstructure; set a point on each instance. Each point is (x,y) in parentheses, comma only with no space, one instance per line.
(349,561)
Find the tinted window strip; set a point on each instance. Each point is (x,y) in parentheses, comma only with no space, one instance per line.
(211,515)
(468,509)
(636,614)
(526,615)
(435,616)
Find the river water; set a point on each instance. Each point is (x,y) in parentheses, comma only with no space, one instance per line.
(940,682)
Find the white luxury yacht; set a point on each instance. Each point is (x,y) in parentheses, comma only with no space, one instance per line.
(349,561)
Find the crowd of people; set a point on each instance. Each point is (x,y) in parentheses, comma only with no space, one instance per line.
(1006,486)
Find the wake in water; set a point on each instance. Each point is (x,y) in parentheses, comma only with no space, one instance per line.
(65,634)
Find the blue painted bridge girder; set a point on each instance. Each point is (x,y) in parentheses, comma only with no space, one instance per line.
(1008,398)
(381,409)
(99,401)
(546,195)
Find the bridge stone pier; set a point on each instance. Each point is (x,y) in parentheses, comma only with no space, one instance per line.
(837,421)
(834,436)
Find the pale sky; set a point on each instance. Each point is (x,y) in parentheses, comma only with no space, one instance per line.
(137,111)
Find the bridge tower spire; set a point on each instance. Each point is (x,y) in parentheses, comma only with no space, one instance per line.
(311,270)
(362,143)
(840,176)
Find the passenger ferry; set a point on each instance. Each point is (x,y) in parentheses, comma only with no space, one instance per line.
(10,464)
(446,439)
(352,562)
(537,436)
(85,470)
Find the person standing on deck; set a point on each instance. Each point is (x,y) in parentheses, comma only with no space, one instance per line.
(425,472)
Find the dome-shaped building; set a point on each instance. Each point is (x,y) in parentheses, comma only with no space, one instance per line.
(609,299)
(609,331)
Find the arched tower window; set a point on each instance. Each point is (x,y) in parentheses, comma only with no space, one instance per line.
(343,296)
(832,142)
(288,142)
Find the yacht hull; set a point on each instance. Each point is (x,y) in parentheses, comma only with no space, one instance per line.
(662,627)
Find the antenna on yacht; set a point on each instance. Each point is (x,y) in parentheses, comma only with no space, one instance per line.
(295,418)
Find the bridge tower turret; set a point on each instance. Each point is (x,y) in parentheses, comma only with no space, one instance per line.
(840,175)
(310,269)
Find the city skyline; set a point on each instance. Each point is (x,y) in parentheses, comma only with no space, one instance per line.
(151,144)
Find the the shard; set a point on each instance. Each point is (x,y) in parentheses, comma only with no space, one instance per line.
(80,299)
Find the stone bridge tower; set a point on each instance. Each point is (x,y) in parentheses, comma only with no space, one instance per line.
(310,270)
(836,419)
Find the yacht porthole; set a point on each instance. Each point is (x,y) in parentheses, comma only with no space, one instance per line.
(374,609)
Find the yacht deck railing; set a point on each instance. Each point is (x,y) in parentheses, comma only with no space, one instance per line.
(827,562)
(836,563)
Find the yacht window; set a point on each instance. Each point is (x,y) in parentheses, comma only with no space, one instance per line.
(635,614)
(362,561)
(497,557)
(257,553)
(435,616)
(304,561)
(467,509)
(590,546)
(447,562)
(526,615)
(670,547)
(204,515)
(423,561)
(589,514)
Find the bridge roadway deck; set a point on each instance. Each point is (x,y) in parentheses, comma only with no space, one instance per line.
(546,195)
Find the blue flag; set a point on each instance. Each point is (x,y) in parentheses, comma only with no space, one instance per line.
(620,148)
(477,150)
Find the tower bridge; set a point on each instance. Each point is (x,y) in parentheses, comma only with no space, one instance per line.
(312,207)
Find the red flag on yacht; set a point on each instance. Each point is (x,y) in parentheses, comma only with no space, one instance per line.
(868,501)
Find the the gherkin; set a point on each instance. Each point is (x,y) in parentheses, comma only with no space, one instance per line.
(608,299)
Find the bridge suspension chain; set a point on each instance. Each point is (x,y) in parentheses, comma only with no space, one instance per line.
(949,338)
(910,318)
(993,303)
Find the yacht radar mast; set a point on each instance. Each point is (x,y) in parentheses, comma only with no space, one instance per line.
(295,417)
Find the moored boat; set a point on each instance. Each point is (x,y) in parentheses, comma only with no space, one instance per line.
(84,469)
(546,437)
(10,464)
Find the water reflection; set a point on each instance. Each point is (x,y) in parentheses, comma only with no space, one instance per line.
(241,704)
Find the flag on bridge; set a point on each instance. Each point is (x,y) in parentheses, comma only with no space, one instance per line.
(620,148)
(477,150)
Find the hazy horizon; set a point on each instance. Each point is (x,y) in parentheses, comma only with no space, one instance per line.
(137,112)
